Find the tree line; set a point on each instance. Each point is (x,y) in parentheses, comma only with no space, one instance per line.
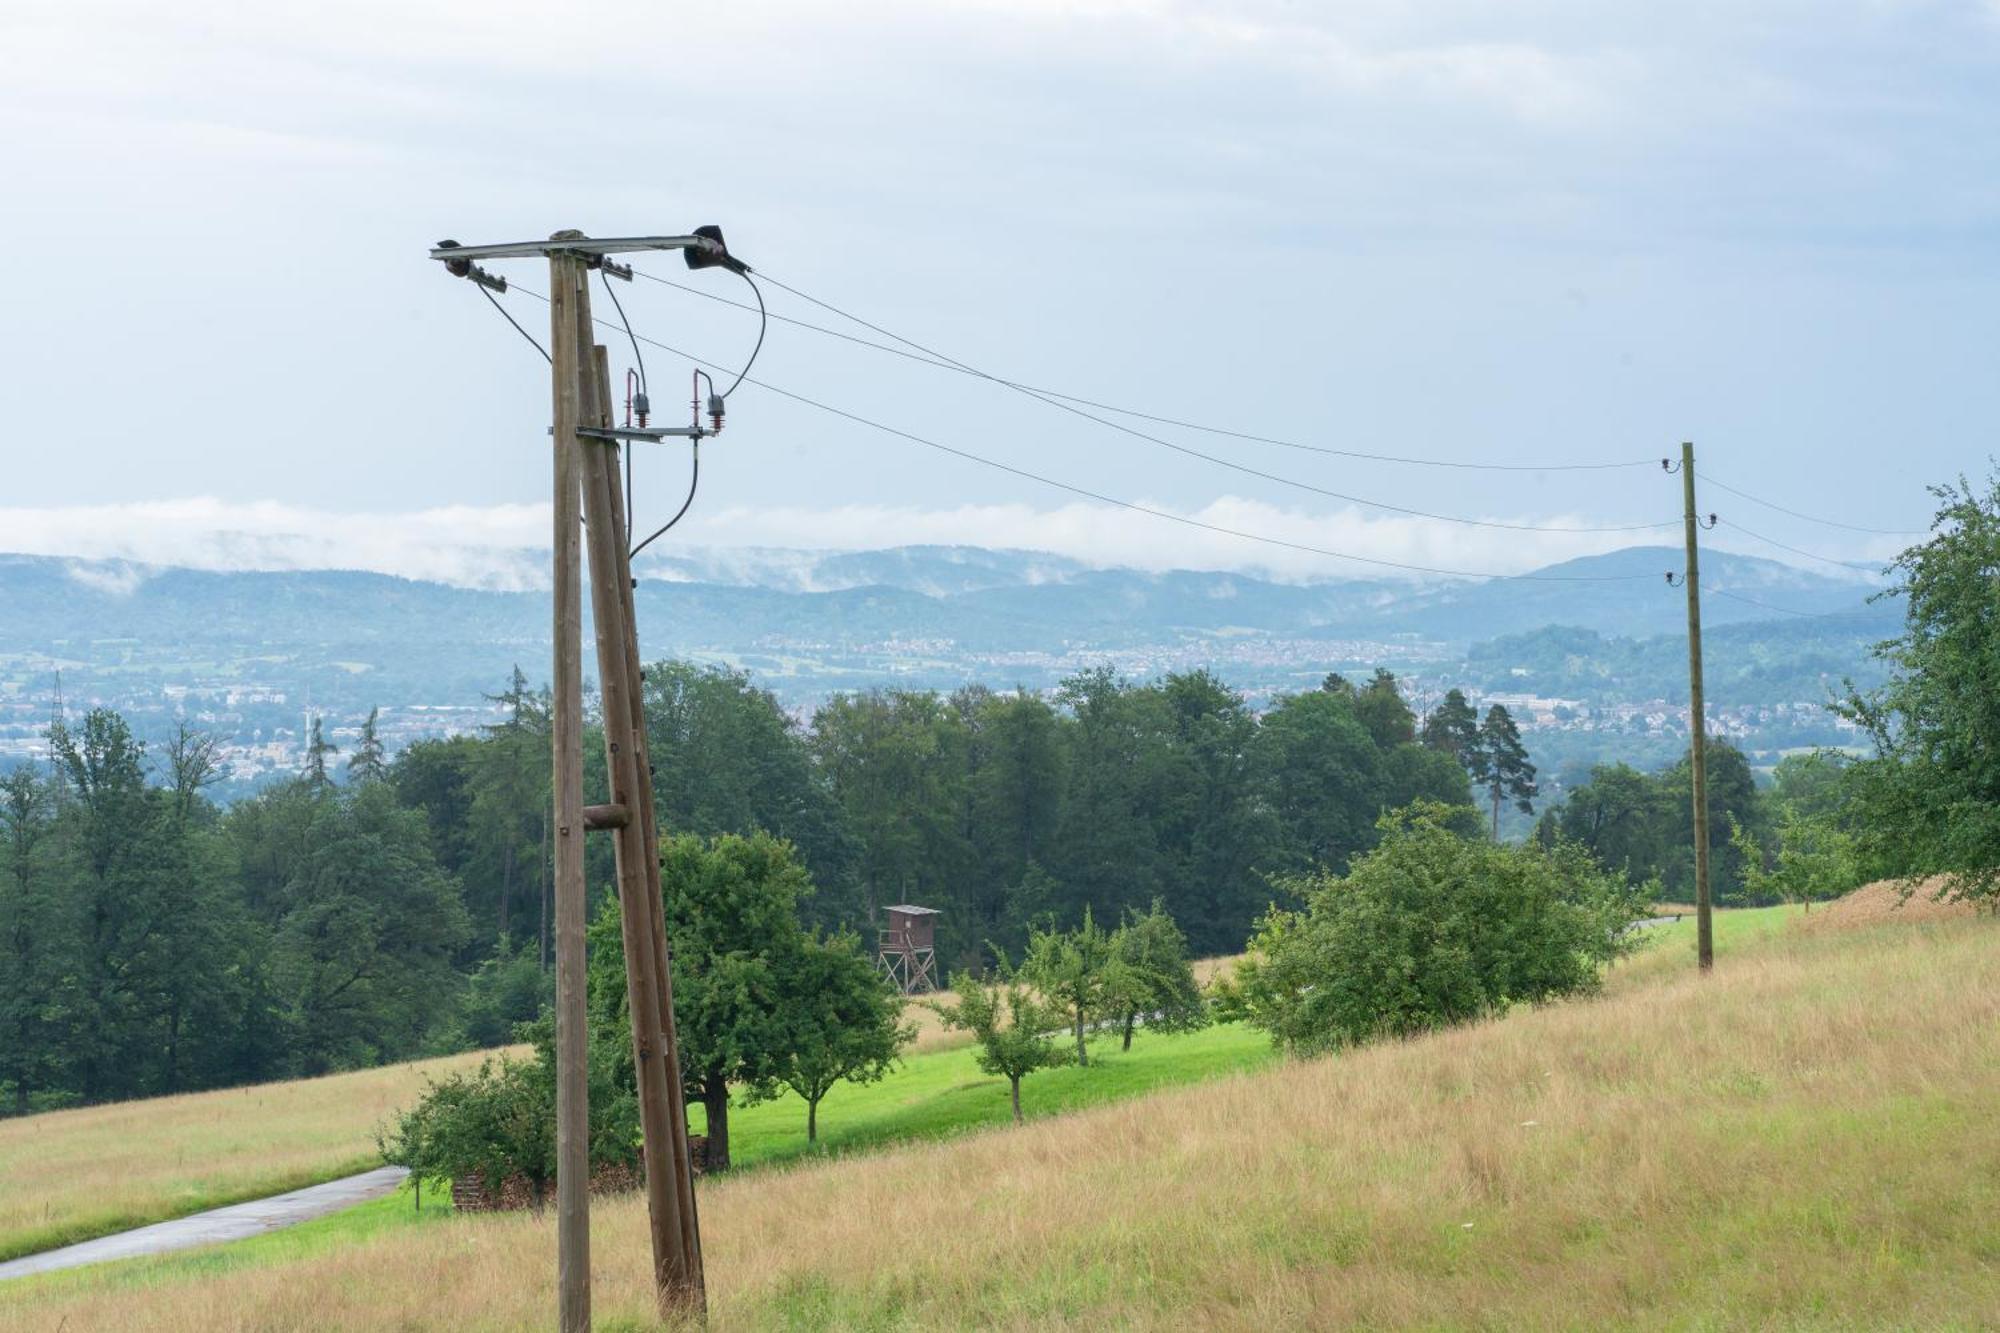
(375,907)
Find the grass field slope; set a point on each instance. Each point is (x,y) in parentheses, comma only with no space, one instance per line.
(1804,1139)
(74,1175)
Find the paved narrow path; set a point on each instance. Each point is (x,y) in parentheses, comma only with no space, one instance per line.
(236,1222)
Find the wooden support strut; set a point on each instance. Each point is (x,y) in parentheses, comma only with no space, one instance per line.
(645,811)
(668,1170)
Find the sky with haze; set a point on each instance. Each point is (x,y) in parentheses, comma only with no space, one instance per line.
(1528,233)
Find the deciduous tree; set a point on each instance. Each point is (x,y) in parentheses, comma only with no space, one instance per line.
(845,1021)
(1151,975)
(1929,798)
(1011,1026)
(1072,969)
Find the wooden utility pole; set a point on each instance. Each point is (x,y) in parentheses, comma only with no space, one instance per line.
(569,325)
(586,488)
(648,983)
(1697,719)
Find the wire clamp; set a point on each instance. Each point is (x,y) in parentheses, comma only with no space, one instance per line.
(465,268)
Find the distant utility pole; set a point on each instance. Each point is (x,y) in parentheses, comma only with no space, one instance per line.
(1697,720)
(590,508)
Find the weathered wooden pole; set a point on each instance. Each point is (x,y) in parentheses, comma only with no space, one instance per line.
(1697,718)
(569,325)
(644,811)
(669,1191)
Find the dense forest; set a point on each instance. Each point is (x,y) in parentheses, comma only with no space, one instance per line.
(376,907)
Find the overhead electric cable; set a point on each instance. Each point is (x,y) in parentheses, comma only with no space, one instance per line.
(631,496)
(1231,464)
(939,361)
(517,324)
(1810,518)
(637,355)
(694,480)
(763,325)
(1782,546)
(1135,507)
(1751,601)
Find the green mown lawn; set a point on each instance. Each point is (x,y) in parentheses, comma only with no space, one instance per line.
(943,1092)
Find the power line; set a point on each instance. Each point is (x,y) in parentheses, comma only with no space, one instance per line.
(1231,464)
(939,361)
(1751,601)
(1135,507)
(763,325)
(619,305)
(694,480)
(1810,518)
(1810,555)
(517,324)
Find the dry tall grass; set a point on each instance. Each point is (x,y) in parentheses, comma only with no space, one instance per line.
(1803,1139)
(103,1168)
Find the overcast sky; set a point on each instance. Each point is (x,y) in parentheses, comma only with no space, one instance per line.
(1525,232)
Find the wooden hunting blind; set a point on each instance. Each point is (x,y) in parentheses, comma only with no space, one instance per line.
(906,948)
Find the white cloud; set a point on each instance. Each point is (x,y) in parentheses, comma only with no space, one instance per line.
(504,546)
(477,547)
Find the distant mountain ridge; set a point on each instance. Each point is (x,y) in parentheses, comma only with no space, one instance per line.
(971,596)
(247,654)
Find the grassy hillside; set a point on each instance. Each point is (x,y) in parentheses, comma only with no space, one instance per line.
(72,1175)
(1803,1139)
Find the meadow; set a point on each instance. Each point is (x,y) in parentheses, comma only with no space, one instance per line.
(1802,1138)
(73,1175)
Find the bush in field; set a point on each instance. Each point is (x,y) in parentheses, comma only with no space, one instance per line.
(1011,1025)
(1812,859)
(1431,928)
(500,1119)
(489,1124)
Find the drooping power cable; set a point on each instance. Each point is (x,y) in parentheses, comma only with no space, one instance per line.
(1751,601)
(517,324)
(1810,518)
(1135,507)
(763,324)
(940,361)
(1231,464)
(694,480)
(619,305)
(1782,546)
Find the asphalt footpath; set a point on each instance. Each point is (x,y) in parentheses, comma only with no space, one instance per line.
(238,1221)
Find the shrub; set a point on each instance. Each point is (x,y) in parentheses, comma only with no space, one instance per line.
(500,1120)
(1429,929)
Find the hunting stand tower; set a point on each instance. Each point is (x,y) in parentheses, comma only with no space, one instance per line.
(906,949)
